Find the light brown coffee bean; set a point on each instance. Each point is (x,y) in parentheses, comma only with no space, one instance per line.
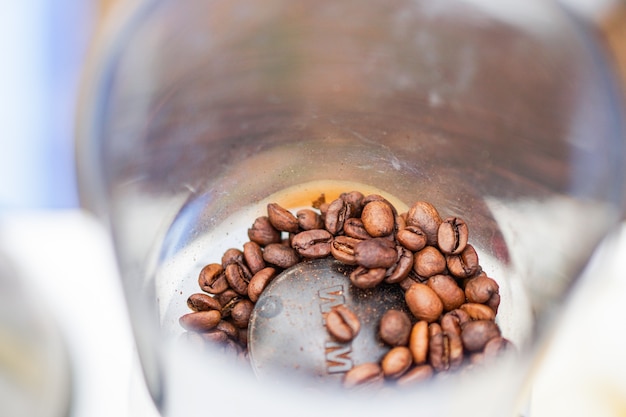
(452,331)
(212,279)
(309,219)
(376,253)
(342,249)
(337,213)
(396,362)
(200,321)
(240,313)
(378,219)
(452,236)
(364,278)
(238,277)
(342,323)
(367,374)
(253,256)
(259,281)
(429,261)
(280,255)
(438,348)
(448,291)
(231,256)
(202,302)
(214,336)
(353,227)
(412,237)
(394,328)
(312,244)
(423,302)
(418,342)
(263,233)
(425,216)
(416,375)
(402,268)
(497,347)
(478,311)
(483,290)
(282,219)
(228,329)
(465,264)
(475,334)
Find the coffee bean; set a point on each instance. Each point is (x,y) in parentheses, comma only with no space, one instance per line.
(394,328)
(202,302)
(355,200)
(475,334)
(483,290)
(412,237)
(337,213)
(364,375)
(363,277)
(396,362)
(497,347)
(282,219)
(280,255)
(353,227)
(240,313)
(312,244)
(200,321)
(451,295)
(418,342)
(452,331)
(438,348)
(228,329)
(342,249)
(402,268)
(227,297)
(231,256)
(423,302)
(342,323)
(309,219)
(452,236)
(238,277)
(465,264)
(259,281)
(263,233)
(478,311)
(375,253)
(253,255)
(416,375)
(425,216)
(429,261)
(212,279)
(378,219)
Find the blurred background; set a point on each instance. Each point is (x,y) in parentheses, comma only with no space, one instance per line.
(61,256)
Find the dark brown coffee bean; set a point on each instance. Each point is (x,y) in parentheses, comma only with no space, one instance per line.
(396,362)
(412,238)
(448,291)
(418,342)
(429,261)
(465,264)
(478,311)
(425,216)
(253,255)
(280,255)
(459,316)
(240,313)
(452,236)
(259,281)
(281,218)
(312,244)
(200,321)
(337,213)
(227,297)
(475,334)
(342,323)
(353,227)
(263,233)
(497,347)
(363,277)
(375,253)
(238,277)
(438,348)
(423,302)
(483,290)
(395,328)
(342,249)
(402,268)
(309,219)
(212,279)
(368,375)
(202,302)
(452,331)
(378,219)
(355,200)
(416,375)
(214,336)
(228,329)
(231,256)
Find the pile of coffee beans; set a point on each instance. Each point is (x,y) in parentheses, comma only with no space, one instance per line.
(452,302)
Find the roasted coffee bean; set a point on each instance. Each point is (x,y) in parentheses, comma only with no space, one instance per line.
(263,233)
(412,237)
(476,333)
(353,227)
(231,256)
(478,311)
(452,236)
(200,321)
(438,348)
(425,216)
(214,336)
(497,346)
(465,264)
(259,281)
(228,329)
(452,331)
(309,219)
(238,277)
(282,219)
(448,291)
(378,219)
(253,255)
(337,213)
(368,375)
(342,323)
(355,200)
(418,342)
(423,302)
(342,249)
(212,279)
(227,297)
(396,362)
(375,253)
(429,261)
(459,316)
(202,302)
(402,268)
(280,255)
(363,277)
(395,328)
(416,375)
(240,313)
(312,244)
(483,290)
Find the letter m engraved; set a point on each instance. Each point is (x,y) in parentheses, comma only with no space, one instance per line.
(330,297)
(337,357)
